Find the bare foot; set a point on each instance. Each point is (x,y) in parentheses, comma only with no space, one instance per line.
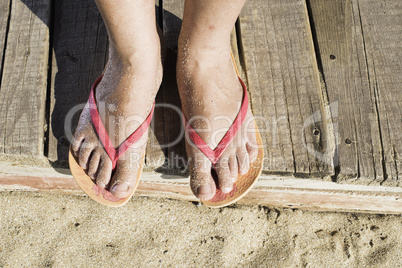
(211,96)
(124,99)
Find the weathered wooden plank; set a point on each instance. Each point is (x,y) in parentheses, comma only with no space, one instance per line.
(80,53)
(381,24)
(333,26)
(24,80)
(270,190)
(284,86)
(5,12)
(359,43)
(172,15)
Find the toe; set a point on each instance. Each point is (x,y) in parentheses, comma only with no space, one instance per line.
(225,178)
(124,179)
(243,160)
(233,167)
(76,143)
(202,185)
(84,154)
(124,184)
(204,191)
(94,162)
(104,171)
(251,145)
(252,151)
(201,180)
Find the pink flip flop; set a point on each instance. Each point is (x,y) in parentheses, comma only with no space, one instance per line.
(98,194)
(244,182)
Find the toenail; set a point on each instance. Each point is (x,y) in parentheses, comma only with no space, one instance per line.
(101,185)
(204,190)
(226,189)
(122,188)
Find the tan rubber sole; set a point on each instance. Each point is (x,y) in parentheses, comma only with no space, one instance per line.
(96,193)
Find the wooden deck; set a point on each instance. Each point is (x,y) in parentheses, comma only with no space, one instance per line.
(324,82)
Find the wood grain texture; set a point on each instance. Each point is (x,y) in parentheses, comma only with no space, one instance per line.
(381,26)
(271,191)
(172,14)
(360,47)
(79,56)
(4,23)
(24,79)
(284,87)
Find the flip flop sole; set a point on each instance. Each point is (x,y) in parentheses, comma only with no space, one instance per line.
(243,184)
(96,193)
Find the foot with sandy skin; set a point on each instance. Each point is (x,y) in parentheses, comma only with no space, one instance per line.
(211,95)
(124,97)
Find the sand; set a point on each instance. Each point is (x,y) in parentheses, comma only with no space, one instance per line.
(51,230)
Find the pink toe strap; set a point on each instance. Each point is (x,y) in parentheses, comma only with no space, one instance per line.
(114,153)
(215,154)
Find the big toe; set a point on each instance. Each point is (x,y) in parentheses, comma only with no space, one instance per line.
(202,185)
(124,180)
(124,184)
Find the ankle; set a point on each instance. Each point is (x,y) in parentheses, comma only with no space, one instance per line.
(145,51)
(135,65)
(193,58)
(123,74)
(194,61)
(204,45)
